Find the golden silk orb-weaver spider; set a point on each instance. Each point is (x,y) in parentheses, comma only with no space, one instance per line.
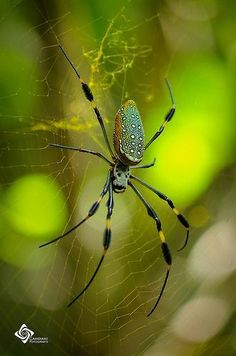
(129,146)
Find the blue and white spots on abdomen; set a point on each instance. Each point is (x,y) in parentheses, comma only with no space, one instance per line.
(129,134)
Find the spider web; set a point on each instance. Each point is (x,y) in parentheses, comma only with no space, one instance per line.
(110,318)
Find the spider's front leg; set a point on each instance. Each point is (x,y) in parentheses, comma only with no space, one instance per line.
(164,246)
(168,117)
(106,241)
(89,96)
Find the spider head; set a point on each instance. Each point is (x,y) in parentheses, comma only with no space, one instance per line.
(120,177)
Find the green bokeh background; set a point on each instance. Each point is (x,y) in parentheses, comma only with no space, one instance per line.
(124,50)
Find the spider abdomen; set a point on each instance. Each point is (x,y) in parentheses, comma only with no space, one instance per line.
(129,134)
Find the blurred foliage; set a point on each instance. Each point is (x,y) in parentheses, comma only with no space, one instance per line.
(31,200)
(124,50)
(194,150)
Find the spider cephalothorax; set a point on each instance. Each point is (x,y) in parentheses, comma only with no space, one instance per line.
(129,148)
(120,177)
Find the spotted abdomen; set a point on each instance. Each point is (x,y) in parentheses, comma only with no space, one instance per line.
(129,134)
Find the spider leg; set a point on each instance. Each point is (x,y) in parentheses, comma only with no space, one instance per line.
(106,242)
(82,150)
(145,165)
(89,96)
(91,212)
(168,117)
(164,246)
(162,196)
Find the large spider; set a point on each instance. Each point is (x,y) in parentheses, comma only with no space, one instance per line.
(129,148)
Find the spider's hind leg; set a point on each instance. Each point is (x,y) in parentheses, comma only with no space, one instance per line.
(164,246)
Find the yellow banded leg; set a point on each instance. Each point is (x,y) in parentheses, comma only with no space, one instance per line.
(164,246)
(106,242)
(89,96)
(107,233)
(91,212)
(167,119)
(185,223)
(167,257)
(162,196)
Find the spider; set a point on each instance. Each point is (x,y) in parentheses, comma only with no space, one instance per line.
(129,147)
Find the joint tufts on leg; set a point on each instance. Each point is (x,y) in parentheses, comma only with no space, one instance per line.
(87,91)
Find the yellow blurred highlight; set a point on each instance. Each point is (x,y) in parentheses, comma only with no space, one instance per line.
(198,216)
(186,164)
(35,206)
(196,143)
